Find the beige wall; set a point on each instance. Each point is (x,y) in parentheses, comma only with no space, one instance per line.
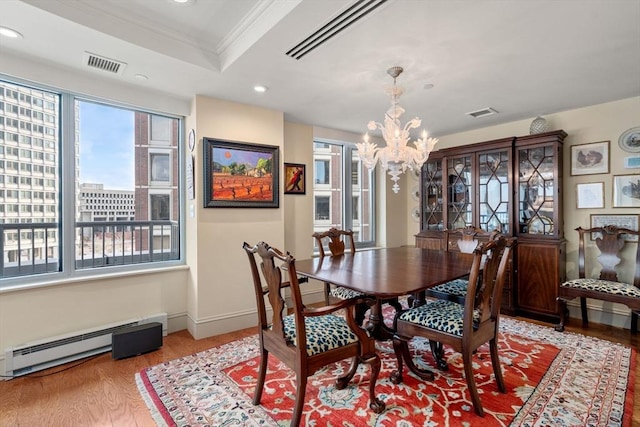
(603,122)
(68,306)
(221,297)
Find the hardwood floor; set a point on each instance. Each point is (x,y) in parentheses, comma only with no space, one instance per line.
(102,391)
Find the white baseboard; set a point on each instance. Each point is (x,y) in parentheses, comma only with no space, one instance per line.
(606,313)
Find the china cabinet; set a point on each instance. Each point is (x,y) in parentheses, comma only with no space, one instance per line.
(510,184)
(540,230)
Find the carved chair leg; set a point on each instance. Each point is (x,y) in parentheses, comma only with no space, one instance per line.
(437,350)
(471,382)
(301,388)
(495,362)
(262,372)
(583,309)
(634,322)
(375,404)
(563,315)
(343,381)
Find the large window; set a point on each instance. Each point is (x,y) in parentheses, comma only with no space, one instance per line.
(87,185)
(343,191)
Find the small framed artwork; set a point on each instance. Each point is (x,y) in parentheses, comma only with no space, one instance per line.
(240,175)
(632,162)
(620,221)
(294,178)
(589,159)
(590,195)
(626,191)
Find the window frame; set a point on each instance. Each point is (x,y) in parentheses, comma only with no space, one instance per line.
(349,156)
(65,130)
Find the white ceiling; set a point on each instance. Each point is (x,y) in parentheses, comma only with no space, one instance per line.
(520,57)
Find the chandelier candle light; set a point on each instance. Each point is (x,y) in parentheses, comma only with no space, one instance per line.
(396,156)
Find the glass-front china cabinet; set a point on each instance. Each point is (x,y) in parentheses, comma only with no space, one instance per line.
(511,185)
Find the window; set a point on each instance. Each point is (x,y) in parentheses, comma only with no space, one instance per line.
(343,191)
(322,208)
(159,168)
(74,232)
(322,172)
(159,207)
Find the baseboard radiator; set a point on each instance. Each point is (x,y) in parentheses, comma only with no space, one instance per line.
(55,351)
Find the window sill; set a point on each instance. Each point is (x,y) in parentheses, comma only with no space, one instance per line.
(90,278)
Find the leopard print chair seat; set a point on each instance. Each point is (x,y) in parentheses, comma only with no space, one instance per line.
(618,280)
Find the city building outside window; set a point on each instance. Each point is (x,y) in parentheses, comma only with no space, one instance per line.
(343,192)
(97,188)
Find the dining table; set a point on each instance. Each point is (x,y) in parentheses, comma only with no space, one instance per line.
(387,274)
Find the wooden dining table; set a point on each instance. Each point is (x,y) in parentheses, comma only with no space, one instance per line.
(387,274)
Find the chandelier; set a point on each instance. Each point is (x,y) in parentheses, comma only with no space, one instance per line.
(396,156)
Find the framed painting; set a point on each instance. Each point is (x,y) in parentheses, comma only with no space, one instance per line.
(626,191)
(620,221)
(240,175)
(590,195)
(589,159)
(294,178)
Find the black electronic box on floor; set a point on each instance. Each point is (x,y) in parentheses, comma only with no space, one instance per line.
(136,340)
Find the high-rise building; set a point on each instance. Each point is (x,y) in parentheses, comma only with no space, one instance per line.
(29,177)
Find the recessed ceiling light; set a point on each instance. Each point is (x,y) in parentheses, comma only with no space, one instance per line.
(141,77)
(8,32)
(184,1)
(260,88)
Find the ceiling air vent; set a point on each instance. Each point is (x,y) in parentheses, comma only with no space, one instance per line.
(344,20)
(482,113)
(102,63)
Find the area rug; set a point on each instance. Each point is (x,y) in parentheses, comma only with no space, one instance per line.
(559,379)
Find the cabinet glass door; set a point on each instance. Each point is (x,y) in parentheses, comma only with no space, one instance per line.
(493,191)
(536,190)
(432,196)
(460,184)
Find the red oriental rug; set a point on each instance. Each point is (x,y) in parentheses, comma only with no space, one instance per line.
(559,379)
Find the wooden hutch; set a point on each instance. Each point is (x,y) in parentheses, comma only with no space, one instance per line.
(512,184)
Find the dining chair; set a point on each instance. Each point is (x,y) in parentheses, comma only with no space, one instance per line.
(463,327)
(336,243)
(465,240)
(603,282)
(309,338)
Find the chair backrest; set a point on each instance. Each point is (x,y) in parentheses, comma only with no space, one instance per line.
(271,264)
(486,279)
(468,238)
(610,241)
(336,241)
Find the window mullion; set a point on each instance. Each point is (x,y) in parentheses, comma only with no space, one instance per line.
(68,182)
(346,188)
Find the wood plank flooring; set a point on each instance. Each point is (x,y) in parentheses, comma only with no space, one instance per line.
(102,391)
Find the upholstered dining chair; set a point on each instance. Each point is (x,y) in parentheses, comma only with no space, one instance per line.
(309,338)
(465,240)
(336,243)
(606,284)
(463,327)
